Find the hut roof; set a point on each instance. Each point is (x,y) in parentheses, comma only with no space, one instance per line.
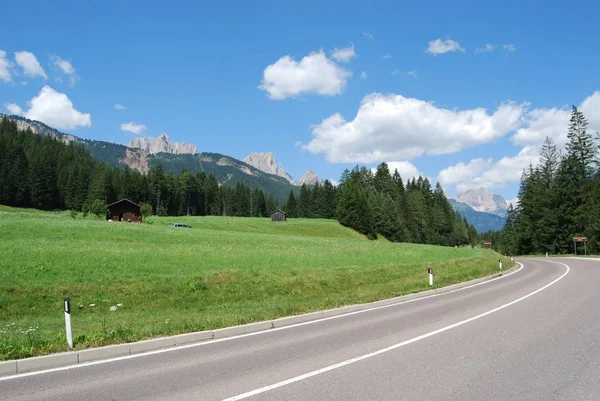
(123,200)
(278,210)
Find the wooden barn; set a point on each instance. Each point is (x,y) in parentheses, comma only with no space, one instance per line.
(124,210)
(278,215)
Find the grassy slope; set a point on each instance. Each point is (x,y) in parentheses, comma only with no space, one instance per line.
(222,272)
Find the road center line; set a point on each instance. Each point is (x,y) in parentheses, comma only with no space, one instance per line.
(392,347)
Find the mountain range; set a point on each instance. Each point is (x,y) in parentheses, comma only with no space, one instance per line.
(484,210)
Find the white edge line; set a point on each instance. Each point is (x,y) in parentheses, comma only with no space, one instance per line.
(390,348)
(208,342)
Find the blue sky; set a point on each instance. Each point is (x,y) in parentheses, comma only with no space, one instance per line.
(241,77)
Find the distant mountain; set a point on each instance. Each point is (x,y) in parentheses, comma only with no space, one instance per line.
(308,178)
(265,162)
(482,221)
(227,170)
(483,201)
(162,144)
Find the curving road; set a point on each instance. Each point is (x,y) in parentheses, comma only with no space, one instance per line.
(530,335)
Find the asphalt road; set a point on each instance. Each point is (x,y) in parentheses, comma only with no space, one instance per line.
(533,335)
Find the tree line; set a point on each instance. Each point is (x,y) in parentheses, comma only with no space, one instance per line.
(45,173)
(559,198)
(381,204)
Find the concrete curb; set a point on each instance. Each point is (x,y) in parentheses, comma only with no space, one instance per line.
(14,367)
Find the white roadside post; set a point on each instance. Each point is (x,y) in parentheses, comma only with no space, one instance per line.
(546,254)
(68,322)
(430,271)
(500,263)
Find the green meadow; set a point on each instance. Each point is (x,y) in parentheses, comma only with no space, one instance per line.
(222,272)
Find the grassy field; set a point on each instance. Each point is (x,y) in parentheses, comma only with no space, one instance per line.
(223,272)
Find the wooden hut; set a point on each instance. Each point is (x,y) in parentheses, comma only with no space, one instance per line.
(124,210)
(278,215)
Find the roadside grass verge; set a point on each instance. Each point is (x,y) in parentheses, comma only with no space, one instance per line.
(223,272)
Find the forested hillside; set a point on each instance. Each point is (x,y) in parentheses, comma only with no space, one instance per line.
(558,199)
(225,169)
(46,173)
(382,204)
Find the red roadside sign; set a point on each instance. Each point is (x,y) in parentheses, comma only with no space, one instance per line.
(579,239)
(487,243)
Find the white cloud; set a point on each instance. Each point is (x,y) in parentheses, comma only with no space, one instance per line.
(315,73)
(4,67)
(343,55)
(536,125)
(479,173)
(67,68)
(363,75)
(439,46)
(387,56)
(56,110)
(590,108)
(406,169)
(554,123)
(412,73)
(510,48)
(542,123)
(368,35)
(392,127)
(30,64)
(23,83)
(487,49)
(119,107)
(133,127)
(395,71)
(13,109)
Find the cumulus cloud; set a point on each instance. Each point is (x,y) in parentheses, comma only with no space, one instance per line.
(393,127)
(30,64)
(387,56)
(4,67)
(315,74)
(67,68)
(554,123)
(412,73)
(488,48)
(440,46)
(485,173)
(14,109)
(119,107)
(133,127)
(536,125)
(363,75)
(406,169)
(55,109)
(510,48)
(343,55)
(368,35)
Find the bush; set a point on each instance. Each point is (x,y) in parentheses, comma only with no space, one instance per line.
(73,214)
(146,210)
(98,207)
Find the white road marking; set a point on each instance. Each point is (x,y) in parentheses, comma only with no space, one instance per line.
(208,342)
(390,348)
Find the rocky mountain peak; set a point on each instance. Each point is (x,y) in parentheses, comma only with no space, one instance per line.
(162,144)
(308,178)
(266,163)
(482,200)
